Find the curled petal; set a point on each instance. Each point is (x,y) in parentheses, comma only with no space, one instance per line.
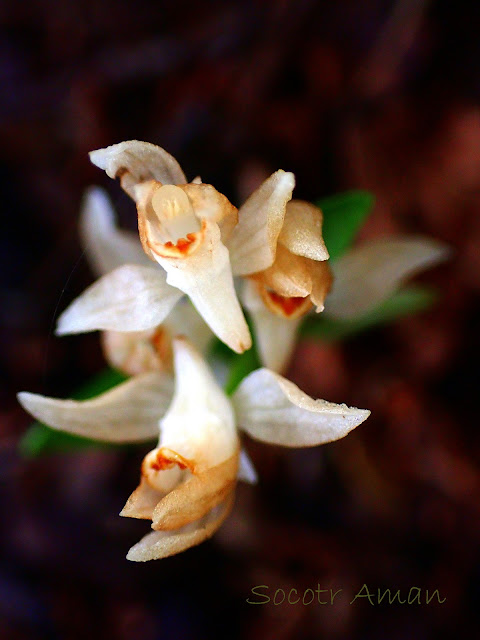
(206,277)
(128,413)
(194,498)
(134,162)
(161,544)
(289,276)
(142,502)
(131,298)
(276,334)
(274,410)
(253,242)
(302,230)
(367,275)
(107,247)
(246,470)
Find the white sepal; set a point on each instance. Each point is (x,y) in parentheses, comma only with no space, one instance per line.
(274,410)
(128,413)
(106,246)
(130,298)
(206,277)
(370,273)
(302,231)
(253,242)
(276,335)
(198,444)
(134,162)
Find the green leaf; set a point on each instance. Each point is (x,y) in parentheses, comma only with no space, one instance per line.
(405,302)
(40,439)
(343,216)
(219,349)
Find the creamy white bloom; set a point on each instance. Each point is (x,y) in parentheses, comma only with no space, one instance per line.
(278,248)
(183,228)
(108,247)
(188,480)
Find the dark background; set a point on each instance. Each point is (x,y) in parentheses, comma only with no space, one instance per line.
(374,95)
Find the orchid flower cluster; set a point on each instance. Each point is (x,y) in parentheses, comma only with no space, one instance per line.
(160,301)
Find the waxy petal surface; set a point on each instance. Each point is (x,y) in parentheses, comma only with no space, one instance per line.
(131,298)
(206,277)
(302,230)
(200,423)
(272,409)
(128,413)
(253,242)
(134,162)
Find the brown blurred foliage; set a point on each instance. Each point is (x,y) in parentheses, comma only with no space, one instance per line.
(376,95)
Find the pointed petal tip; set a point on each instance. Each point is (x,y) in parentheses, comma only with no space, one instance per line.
(286,177)
(24,398)
(244,345)
(272,409)
(98,158)
(62,328)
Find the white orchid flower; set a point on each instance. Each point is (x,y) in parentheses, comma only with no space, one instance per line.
(188,481)
(107,248)
(183,227)
(187,228)
(278,248)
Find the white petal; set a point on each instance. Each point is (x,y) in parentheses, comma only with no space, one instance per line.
(161,544)
(367,275)
(206,277)
(135,162)
(246,470)
(200,424)
(128,413)
(131,298)
(253,242)
(107,247)
(289,276)
(302,230)
(276,335)
(274,410)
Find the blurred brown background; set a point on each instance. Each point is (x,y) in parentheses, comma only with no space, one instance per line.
(376,95)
